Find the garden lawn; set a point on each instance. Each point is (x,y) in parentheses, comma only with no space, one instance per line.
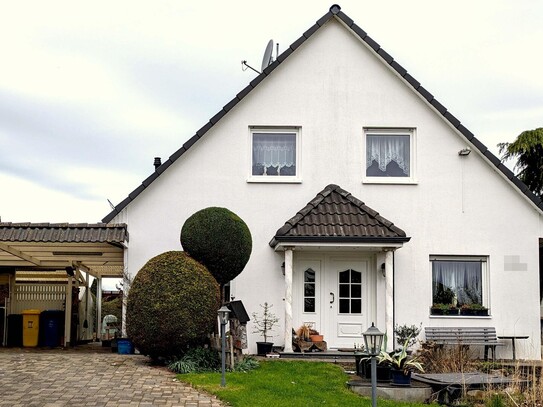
(285,383)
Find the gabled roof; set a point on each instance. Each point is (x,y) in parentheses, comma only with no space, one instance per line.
(334,12)
(335,216)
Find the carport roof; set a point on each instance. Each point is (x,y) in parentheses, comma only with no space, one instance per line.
(97,248)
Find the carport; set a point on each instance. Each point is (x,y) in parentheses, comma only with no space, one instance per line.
(42,263)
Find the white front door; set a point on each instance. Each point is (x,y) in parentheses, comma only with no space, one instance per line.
(334,294)
(349,295)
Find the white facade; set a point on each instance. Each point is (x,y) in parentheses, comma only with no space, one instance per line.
(331,89)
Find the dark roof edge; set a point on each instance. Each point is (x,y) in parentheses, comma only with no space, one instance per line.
(442,110)
(61,225)
(336,239)
(335,11)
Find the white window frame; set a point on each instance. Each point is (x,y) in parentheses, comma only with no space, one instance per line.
(390,131)
(485,283)
(276,178)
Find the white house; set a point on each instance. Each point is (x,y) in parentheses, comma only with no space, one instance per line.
(369,191)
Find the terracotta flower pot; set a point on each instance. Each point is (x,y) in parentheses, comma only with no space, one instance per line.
(317,338)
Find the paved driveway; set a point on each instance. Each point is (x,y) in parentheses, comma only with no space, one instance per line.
(90,376)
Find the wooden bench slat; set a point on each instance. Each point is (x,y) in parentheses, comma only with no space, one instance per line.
(464,336)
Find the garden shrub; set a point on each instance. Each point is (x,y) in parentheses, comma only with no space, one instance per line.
(172,304)
(220,240)
(197,360)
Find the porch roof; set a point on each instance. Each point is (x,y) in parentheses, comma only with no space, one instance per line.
(334,216)
(98,248)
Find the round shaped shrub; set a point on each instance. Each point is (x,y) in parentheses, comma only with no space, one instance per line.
(219,239)
(172,304)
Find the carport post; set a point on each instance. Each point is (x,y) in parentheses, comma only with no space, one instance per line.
(68,312)
(99,308)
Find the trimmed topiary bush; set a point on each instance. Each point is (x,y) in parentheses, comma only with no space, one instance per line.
(219,239)
(172,304)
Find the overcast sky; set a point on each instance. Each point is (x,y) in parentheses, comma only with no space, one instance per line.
(90,92)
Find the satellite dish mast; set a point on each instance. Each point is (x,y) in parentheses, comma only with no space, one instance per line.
(268,55)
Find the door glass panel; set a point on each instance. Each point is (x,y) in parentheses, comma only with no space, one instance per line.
(344,276)
(309,305)
(350,292)
(343,306)
(309,290)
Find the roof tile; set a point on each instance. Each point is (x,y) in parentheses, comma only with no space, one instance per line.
(335,213)
(63,232)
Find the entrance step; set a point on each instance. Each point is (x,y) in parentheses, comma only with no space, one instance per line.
(417,392)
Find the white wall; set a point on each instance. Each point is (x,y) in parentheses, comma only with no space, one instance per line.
(333,87)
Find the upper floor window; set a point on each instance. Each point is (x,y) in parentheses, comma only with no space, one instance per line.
(275,154)
(389,155)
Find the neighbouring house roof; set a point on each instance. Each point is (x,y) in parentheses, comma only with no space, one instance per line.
(335,12)
(53,246)
(335,216)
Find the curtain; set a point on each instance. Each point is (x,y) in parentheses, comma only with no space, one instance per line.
(386,152)
(464,278)
(274,150)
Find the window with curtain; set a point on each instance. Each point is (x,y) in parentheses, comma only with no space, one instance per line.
(274,153)
(388,154)
(458,282)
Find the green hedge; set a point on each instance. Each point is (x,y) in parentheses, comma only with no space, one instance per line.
(220,240)
(172,304)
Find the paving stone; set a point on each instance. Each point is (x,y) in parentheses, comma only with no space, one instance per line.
(90,376)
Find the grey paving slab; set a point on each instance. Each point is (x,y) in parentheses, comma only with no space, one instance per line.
(90,376)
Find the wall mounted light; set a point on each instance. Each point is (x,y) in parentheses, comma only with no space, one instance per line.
(464,152)
(383,270)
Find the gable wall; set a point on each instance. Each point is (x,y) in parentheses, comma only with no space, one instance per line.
(332,87)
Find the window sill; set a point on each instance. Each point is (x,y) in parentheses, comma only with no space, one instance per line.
(274,179)
(460,316)
(389,180)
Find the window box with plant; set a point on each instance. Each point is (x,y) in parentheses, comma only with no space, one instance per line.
(474,310)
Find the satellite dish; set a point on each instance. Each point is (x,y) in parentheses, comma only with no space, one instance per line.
(268,58)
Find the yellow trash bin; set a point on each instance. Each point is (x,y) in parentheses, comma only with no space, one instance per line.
(31,327)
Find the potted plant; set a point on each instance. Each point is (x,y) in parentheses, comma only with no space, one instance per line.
(443,309)
(402,365)
(383,367)
(308,334)
(474,309)
(264,324)
(407,333)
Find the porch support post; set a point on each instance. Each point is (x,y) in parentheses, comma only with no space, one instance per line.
(99,309)
(288,300)
(389,298)
(68,312)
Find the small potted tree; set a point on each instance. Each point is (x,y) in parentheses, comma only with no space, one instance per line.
(264,323)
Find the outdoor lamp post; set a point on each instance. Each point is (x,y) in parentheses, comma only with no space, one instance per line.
(373,338)
(223,317)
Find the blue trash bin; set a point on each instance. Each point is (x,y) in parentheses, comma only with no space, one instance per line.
(125,346)
(52,325)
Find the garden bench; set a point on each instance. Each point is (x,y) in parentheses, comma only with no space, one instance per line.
(464,336)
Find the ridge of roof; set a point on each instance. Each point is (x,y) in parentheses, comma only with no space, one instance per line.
(334,12)
(335,220)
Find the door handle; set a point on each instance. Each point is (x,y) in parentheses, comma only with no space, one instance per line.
(333,298)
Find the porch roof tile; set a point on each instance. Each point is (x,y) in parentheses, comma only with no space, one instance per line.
(335,215)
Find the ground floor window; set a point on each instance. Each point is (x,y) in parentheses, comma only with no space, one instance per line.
(458,286)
